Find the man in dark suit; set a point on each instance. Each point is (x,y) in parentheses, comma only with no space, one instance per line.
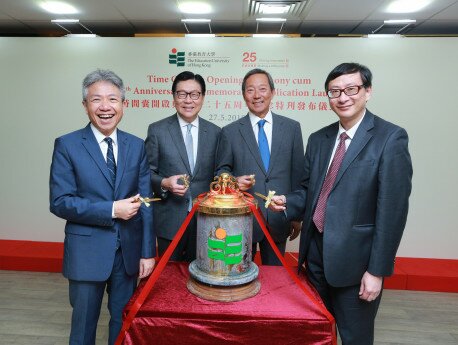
(355,195)
(268,146)
(181,147)
(97,175)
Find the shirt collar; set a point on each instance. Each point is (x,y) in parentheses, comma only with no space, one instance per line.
(99,136)
(351,132)
(255,119)
(183,123)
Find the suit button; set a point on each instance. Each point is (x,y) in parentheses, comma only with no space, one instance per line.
(267,180)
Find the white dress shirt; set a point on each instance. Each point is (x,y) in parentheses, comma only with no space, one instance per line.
(267,126)
(104,148)
(194,132)
(351,133)
(104,145)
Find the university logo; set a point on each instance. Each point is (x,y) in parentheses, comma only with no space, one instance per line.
(224,247)
(176,58)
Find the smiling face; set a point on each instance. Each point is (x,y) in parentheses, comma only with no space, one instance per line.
(258,94)
(187,108)
(349,109)
(104,106)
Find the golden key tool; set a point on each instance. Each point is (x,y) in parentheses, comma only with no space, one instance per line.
(184,180)
(267,198)
(147,201)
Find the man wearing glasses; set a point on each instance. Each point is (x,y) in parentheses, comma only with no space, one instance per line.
(354,195)
(181,154)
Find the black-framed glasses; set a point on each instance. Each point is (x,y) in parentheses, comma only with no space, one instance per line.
(349,91)
(195,95)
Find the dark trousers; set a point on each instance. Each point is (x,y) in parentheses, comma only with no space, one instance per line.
(186,248)
(268,256)
(354,317)
(86,300)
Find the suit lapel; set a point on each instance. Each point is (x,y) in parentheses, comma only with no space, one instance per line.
(359,141)
(277,140)
(248,136)
(123,149)
(177,139)
(93,148)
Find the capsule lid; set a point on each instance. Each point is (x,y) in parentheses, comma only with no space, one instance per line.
(225,198)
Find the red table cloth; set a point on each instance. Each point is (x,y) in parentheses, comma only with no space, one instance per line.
(280,313)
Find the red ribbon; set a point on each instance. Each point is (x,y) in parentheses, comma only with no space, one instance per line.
(136,305)
(262,223)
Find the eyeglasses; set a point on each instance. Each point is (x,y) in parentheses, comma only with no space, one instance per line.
(349,91)
(195,95)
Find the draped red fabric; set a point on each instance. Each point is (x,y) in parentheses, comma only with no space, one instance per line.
(133,320)
(279,314)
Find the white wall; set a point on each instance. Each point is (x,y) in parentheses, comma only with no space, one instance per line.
(414,86)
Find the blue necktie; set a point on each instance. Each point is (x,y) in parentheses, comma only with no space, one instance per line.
(263,144)
(111,164)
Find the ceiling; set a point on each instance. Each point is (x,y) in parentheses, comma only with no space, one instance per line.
(235,17)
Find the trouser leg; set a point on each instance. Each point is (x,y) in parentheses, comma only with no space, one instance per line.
(85,299)
(120,287)
(268,256)
(354,317)
(186,247)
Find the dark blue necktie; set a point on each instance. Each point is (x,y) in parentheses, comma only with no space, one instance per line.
(263,144)
(111,164)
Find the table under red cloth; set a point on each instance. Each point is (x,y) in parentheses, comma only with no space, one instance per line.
(280,313)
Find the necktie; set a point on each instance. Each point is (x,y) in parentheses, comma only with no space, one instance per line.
(320,210)
(111,164)
(189,146)
(263,144)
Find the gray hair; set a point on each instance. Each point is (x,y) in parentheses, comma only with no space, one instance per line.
(103,75)
(258,71)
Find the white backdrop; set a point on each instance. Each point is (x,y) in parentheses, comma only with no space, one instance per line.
(414,86)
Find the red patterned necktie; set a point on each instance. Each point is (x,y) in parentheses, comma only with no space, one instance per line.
(320,210)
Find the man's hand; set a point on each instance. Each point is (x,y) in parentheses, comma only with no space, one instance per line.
(146,267)
(245,182)
(127,208)
(295,229)
(172,185)
(278,203)
(370,288)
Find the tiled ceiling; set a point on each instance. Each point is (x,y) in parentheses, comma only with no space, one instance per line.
(157,17)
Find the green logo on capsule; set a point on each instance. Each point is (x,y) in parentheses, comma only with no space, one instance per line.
(224,247)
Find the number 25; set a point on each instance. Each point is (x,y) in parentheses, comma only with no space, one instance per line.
(249,57)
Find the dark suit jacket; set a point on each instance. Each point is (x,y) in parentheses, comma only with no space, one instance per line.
(238,154)
(81,192)
(367,207)
(167,156)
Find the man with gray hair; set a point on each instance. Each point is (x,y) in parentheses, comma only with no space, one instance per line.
(98,174)
(268,147)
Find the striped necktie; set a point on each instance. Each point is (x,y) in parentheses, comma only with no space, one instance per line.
(111,164)
(320,210)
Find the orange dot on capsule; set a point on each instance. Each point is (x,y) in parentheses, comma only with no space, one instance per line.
(220,233)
